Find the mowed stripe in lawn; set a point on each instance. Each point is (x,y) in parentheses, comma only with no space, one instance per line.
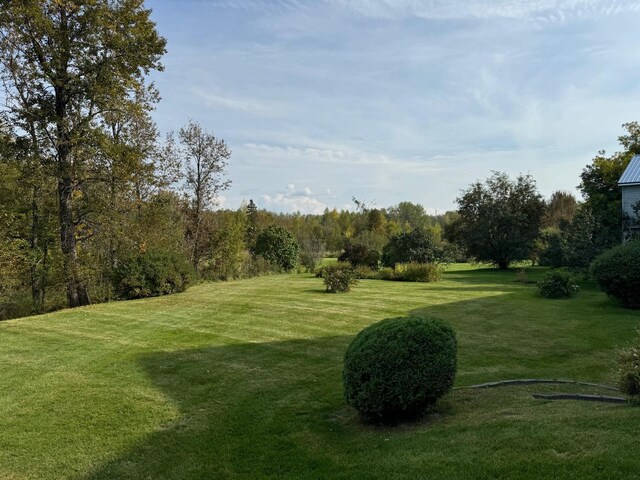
(242,380)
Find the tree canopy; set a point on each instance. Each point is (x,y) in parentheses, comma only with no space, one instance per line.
(67,65)
(498,219)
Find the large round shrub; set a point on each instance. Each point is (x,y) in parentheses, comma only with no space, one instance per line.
(617,272)
(397,368)
(558,284)
(278,246)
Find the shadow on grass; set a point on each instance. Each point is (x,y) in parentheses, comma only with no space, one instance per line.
(275,410)
(244,411)
(317,290)
(506,288)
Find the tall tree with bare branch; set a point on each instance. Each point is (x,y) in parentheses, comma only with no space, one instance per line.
(65,64)
(205,158)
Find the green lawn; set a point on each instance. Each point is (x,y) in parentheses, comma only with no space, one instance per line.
(243,380)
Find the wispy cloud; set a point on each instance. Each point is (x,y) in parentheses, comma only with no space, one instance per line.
(243,104)
(393,100)
(340,156)
(550,10)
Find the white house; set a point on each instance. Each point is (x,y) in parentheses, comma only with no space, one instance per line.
(630,184)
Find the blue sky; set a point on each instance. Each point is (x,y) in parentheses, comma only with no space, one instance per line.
(392,100)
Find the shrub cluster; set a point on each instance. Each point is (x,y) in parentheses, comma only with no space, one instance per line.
(617,272)
(152,274)
(629,371)
(396,369)
(360,256)
(418,272)
(339,277)
(386,273)
(410,272)
(558,284)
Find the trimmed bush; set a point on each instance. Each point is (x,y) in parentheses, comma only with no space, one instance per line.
(276,245)
(617,272)
(339,277)
(557,284)
(152,274)
(396,369)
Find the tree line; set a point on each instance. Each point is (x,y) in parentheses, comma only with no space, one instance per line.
(96,205)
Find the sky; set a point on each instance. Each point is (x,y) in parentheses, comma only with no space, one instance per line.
(398,100)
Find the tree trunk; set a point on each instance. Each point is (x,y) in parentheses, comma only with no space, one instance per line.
(77,294)
(33,244)
(196,242)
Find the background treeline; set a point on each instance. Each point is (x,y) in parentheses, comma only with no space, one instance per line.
(95,205)
(147,225)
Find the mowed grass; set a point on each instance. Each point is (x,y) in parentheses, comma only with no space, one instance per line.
(243,380)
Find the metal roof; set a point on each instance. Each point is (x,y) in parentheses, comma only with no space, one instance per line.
(631,175)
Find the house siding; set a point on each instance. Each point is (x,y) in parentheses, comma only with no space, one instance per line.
(630,197)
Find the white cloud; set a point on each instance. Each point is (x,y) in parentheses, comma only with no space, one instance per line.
(293,202)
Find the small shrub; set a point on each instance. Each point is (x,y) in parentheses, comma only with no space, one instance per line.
(521,276)
(418,272)
(557,284)
(339,277)
(152,274)
(363,272)
(629,371)
(617,272)
(396,369)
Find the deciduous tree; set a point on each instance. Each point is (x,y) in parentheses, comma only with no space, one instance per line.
(65,64)
(498,219)
(204,158)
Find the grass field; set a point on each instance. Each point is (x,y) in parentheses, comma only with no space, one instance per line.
(243,380)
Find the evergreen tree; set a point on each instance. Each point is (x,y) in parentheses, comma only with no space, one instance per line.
(252,225)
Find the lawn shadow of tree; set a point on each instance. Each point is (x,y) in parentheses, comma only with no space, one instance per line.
(244,411)
(276,410)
